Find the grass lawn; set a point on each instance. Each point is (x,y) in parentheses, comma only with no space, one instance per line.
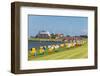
(64,53)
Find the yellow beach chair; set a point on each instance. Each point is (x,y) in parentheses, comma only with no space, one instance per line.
(41,50)
(50,49)
(61,45)
(33,51)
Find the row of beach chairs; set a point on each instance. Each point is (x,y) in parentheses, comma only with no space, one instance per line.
(51,48)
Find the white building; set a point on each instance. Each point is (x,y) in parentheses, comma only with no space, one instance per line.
(43,34)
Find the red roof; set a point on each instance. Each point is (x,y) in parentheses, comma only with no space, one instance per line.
(72,38)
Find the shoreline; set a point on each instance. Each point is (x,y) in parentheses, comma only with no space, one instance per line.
(40,39)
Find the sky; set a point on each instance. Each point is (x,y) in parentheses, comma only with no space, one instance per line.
(67,25)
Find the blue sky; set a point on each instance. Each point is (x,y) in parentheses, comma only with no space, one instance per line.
(68,25)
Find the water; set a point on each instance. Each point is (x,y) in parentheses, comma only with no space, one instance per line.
(37,44)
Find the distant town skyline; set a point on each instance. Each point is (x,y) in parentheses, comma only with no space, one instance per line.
(67,25)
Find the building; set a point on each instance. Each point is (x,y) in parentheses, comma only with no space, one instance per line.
(43,34)
(72,39)
(58,35)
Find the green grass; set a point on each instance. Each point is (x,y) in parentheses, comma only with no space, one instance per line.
(64,53)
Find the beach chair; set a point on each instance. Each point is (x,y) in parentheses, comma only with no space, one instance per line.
(51,49)
(61,45)
(41,50)
(33,52)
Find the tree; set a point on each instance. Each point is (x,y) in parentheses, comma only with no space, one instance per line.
(68,35)
(53,36)
(84,36)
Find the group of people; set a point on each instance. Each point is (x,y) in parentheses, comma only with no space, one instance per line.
(51,48)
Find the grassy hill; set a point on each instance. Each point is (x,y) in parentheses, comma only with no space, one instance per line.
(72,53)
